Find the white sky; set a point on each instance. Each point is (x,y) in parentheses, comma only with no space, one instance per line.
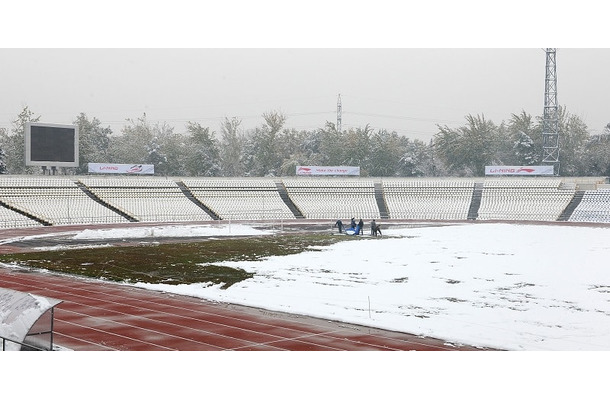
(400,68)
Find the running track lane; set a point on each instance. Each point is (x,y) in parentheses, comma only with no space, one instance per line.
(99,316)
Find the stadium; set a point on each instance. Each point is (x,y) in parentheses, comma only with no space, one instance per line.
(449,264)
(38,209)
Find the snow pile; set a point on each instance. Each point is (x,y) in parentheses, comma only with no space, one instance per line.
(170,231)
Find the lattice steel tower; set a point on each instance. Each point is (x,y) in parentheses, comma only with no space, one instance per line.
(339,114)
(550,118)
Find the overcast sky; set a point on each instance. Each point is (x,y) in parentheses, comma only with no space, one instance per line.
(75,65)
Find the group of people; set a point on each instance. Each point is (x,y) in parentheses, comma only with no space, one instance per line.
(375,227)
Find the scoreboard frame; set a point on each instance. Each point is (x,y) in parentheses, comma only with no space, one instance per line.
(51,145)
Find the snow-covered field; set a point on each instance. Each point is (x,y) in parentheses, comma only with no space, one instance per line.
(516,287)
(506,286)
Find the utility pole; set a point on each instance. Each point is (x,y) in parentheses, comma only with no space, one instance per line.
(339,113)
(550,119)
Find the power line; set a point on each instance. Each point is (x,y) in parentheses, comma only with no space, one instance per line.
(400,102)
(400,131)
(403,117)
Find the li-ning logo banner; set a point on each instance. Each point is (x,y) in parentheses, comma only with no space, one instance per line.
(519,170)
(133,169)
(320,170)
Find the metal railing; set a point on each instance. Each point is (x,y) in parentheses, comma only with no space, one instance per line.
(29,347)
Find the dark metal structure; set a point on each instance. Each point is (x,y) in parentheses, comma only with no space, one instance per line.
(550,119)
(339,114)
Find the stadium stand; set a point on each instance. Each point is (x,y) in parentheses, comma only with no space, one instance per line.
(240,198)
(333,198)
(593,207)
(13,219)
(434,199)
(51,201)
(525,199)
(146,199)
(27,201)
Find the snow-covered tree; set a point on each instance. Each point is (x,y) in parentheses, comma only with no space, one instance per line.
(386,149)
(232,145)
(131,147)
(597,160)
(156,156)
(573,135)
(525,140)
(416,159)
(2,164)
(468,149)
(525,150)
(331,145)
(263,151)
(94,141)
(203,153)
(13,143)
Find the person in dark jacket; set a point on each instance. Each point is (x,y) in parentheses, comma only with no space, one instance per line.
(361,225)
(378,230)
(339,224)
(353,223)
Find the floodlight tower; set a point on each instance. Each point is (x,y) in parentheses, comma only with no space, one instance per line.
(339,113)
(550,118)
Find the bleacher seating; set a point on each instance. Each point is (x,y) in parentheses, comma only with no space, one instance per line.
(27,201)
(428,198)
(146,199)
(240,198)
(55,200)
(12,219)
(333,198)
(524,199)
(594,207)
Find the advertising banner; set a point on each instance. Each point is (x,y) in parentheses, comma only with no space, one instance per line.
(100,168)
(320,170)
(511,170)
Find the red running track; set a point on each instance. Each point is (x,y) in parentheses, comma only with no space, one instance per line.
(98,316)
